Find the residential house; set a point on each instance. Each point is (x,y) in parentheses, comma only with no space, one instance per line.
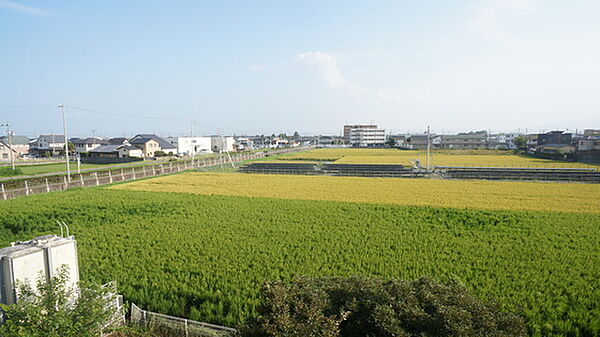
(129,151)
(48,145)
(117,141)
(151,143)
(20,144)
(188,146)
(555,142)
(418,142)
(464,141)
(85,145)
(5,152)
(105,151)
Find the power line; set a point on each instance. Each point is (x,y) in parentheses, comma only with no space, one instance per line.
(124,114)
(25,106)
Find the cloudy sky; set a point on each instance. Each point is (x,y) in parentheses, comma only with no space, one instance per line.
(311,66)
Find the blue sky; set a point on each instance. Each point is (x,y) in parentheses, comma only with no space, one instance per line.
(279,66)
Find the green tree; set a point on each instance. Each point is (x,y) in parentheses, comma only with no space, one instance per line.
(391,142)
(520,142)
(54,309)
(373,307)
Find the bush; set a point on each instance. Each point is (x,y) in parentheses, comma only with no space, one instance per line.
(160,154)
(9,172)
(372,307)
(55,309)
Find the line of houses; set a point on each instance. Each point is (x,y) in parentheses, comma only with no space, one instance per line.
(139,147)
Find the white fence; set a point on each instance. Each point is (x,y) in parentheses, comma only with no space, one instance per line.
(103,177)
(175,326)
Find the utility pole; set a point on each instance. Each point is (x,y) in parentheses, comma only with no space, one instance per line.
(10,147)
(64,116)
(428,147)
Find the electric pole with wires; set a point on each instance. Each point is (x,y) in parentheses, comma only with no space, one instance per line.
(9,135)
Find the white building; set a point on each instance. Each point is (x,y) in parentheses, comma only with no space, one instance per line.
(87,144)
(222,144)
(188,146)
(366,137)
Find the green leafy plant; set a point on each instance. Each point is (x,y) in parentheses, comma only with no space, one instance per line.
(54,309)
(356,307)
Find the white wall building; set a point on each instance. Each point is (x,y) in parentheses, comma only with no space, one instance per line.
(365,137)
(188,146)
(221,144)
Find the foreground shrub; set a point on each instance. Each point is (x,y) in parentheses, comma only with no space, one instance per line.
(55,309)
(372,307)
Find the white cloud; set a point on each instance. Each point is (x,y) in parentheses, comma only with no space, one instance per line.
(24,8)
(327,66)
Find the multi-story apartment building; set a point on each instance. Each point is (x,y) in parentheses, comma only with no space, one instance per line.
(367,137)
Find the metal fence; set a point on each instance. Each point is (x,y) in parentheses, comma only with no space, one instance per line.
(103,177)
(175,326)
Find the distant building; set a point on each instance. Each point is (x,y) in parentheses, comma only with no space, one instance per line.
(117,141)
(151,143)
(554,138)
(105,151)
(188,146)
(589,144)
(85,145)
(400,141)
(20,144)
(5,152)
(418,142)
(222,144)
(367,137)
(127,150)
(348,130)
(243,144)
(591,132)
(48,145)
(463,141)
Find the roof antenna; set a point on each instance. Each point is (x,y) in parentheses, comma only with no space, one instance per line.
(67,228)
(61,228)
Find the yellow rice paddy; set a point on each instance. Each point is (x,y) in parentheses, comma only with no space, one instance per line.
(472,158)
(476,194)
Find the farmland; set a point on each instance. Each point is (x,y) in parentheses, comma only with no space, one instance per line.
(204,255)
(477,194)
(472,158)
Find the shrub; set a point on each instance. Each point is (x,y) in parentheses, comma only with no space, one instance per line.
(372,307)
(55,309)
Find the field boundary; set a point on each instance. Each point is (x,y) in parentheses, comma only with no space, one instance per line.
(584,175)
(106,177)
(182,326)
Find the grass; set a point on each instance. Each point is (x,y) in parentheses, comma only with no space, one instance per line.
(206,256)
(476,194)
(58,167)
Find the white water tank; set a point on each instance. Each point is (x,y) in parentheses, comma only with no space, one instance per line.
(24,262)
